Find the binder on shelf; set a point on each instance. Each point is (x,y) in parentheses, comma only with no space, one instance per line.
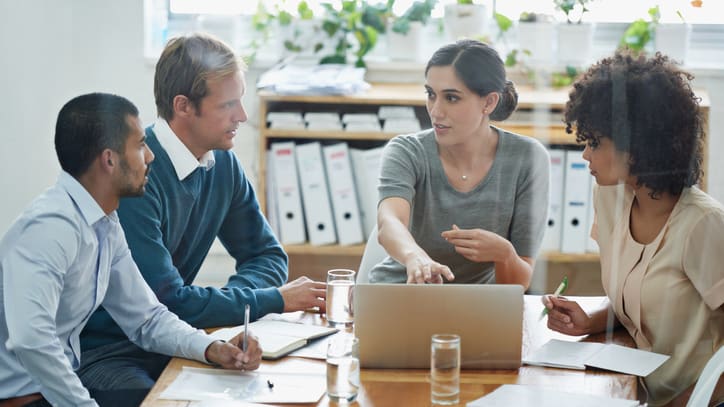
(366,164)
(396,112)
(576,202)
(552,236)
(272,210)
(344,196)
(591,245)
(315,194)
(289,203)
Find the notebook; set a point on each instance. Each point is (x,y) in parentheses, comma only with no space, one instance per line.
(578,355)
(394,323)
(277,338)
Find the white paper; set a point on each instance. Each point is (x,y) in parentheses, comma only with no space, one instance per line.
(563,354)
(578,355)
(218,384)
(627,360)
(523,395)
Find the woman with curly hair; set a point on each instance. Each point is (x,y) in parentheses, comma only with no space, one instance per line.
(661,238)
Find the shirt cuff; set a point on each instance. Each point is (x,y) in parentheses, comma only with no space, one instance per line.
(714,297)
(269,300)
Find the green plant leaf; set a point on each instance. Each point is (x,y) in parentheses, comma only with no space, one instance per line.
(333,59)
(504,23)
(305,13)
(285,18)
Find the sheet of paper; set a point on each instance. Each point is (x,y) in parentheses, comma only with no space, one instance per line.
(627,360)
(564,354)
(218,384)
(522,395)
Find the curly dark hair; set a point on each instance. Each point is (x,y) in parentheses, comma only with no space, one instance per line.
(647,108)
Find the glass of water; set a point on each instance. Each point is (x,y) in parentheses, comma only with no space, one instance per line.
(340,283)
(445,369)
(343,369)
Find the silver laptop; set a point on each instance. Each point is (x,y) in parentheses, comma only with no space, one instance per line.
(394,323)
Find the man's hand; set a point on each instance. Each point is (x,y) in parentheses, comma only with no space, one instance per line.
(304,293)
(230,356)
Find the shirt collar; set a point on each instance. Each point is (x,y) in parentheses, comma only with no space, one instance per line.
(182,159)
(87,205)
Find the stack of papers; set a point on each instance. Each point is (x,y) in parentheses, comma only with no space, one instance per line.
(277,338)
(323,121)
(578,355)
(285,120)
(517,395)
(328,79)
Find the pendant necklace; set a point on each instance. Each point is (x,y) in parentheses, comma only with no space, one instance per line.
(464,177)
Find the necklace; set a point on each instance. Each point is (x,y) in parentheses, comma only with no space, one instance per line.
(464,177)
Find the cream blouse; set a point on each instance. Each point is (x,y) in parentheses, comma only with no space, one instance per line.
(668,293)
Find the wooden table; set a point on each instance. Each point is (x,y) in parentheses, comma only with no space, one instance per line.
(411,387)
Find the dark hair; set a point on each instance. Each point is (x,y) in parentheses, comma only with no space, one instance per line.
(89,124)
(480,68)
(186,65)
(647,108)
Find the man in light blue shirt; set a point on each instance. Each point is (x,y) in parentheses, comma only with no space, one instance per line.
(66,255)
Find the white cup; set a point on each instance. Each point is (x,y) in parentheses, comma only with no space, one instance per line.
(340,284)
(343,369)
(445,369)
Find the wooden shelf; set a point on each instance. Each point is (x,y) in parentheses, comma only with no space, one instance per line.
(530,101)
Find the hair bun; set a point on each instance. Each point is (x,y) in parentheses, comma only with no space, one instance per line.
(507,104)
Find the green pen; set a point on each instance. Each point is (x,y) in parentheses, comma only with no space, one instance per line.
(561,288)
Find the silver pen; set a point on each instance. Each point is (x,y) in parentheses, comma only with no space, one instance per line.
(246,327)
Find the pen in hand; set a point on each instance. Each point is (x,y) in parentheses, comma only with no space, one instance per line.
(561,288)
(246,328)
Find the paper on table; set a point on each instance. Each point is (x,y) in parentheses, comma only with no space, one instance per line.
(563,354)
(627,360)
(578,355)
(218,384)
(522,395)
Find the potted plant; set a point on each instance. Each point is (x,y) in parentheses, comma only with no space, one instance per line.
(464,19)
(517,69)
(353,28)
(575,38)
(406,31)
(672,39)
(639,33)
(536,33)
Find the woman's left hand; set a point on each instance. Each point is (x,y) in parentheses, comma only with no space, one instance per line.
(476,245)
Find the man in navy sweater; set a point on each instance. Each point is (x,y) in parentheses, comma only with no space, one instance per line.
(196,192)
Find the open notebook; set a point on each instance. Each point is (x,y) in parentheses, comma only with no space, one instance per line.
(277,338)
(578,355)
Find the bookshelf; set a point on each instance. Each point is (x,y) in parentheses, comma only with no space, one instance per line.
(539,115)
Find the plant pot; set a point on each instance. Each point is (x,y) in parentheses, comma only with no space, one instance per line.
(465,21)
(539,39)
(405,47)
(673,40)
(575,42)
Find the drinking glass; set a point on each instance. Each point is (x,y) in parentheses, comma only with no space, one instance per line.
(445,369)
(340,284)
(343,369)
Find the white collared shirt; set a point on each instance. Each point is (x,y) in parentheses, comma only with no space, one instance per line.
(181,157)
(52,279)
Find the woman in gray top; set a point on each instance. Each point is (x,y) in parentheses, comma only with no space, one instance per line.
(463,201)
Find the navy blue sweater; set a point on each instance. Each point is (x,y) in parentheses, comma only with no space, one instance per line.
(170,231)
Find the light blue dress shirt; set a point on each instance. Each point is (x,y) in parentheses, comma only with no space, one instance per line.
(60,260)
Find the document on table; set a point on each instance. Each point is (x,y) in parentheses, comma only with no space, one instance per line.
(523,395)
(215,385)
(578,355)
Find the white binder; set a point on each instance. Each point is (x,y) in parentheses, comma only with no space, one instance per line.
(366,164)
(591,245)
(552,236)
(272,211)
(289,203)
(344,196)
(315,195)
(576,202)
